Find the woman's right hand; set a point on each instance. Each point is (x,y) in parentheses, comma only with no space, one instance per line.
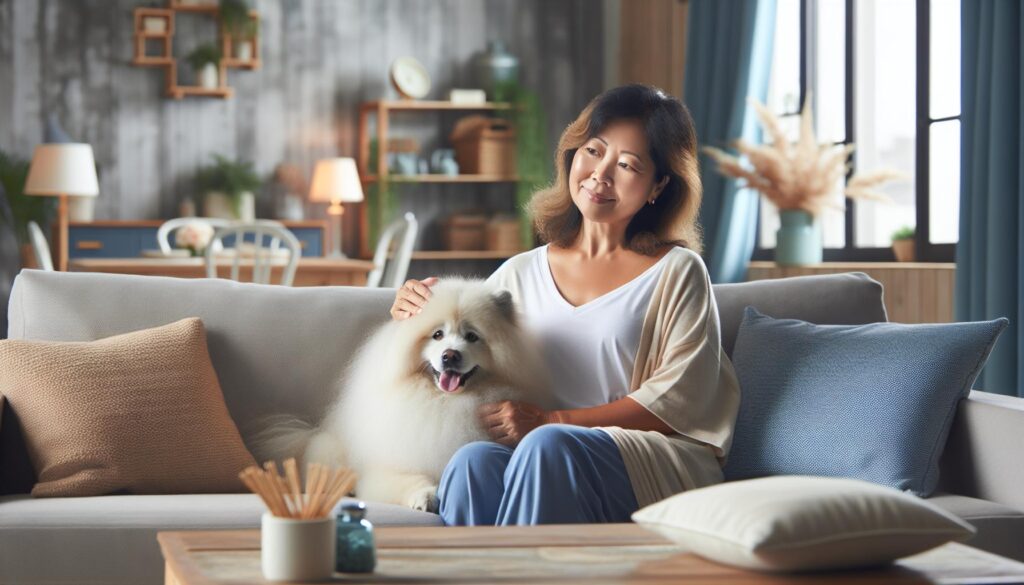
(411,298)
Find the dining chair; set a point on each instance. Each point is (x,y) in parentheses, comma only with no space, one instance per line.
(163,233)
(268,240)
(390,268)
(44,261)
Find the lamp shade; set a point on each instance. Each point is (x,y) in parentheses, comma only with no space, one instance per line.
(336,180)
(63,169)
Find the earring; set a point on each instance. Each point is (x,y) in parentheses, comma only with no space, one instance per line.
(650,201)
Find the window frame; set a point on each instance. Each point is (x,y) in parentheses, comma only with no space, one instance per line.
(926,251)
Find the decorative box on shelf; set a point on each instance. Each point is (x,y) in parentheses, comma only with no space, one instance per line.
(485,146)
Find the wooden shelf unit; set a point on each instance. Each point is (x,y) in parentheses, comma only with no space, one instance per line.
(381,109)
(170,64)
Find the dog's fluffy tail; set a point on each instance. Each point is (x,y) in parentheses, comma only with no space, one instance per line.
(282,436)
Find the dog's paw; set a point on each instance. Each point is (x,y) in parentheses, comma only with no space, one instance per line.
(423,499)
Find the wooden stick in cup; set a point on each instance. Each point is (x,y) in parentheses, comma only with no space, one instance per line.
(291,470)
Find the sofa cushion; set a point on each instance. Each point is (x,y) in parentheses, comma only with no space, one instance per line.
(1000,528)
(852,298)
(63,534)
(872,402)
(797,523)
(140,413)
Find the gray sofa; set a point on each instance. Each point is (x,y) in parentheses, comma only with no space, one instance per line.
(280,349)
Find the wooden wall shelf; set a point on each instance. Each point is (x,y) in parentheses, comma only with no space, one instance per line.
(143,35)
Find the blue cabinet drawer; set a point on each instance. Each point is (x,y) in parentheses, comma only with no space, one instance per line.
(106,242)
(312,240)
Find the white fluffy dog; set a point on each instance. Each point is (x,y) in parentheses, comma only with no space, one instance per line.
(411,396)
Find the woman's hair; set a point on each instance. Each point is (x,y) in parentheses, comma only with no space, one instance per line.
(672,144)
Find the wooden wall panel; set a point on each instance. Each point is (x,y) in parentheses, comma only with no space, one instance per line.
(653,43)
(914,293)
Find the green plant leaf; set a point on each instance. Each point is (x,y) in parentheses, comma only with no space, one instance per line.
(23,208)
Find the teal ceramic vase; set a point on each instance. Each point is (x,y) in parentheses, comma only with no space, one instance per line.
(798,240)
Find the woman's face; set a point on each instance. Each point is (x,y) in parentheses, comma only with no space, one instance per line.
(612,174)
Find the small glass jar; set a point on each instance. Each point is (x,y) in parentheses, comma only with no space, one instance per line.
(355,548)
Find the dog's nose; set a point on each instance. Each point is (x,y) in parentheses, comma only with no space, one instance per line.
(450,357)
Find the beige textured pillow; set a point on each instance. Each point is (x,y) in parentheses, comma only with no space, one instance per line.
(797,523)
(139,413)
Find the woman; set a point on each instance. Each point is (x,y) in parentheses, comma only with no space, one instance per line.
(622,305)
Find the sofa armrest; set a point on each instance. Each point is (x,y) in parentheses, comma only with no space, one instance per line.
(982,455)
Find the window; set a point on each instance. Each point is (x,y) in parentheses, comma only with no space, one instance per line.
(885,75)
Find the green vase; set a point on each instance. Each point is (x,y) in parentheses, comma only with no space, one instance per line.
(798,241)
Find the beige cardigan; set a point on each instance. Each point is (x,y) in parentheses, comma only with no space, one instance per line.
(682,375)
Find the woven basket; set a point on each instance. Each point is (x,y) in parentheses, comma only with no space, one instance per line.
(465,232)
(485,146)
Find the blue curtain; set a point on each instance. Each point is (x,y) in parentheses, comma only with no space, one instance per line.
(989,277)
(728,58)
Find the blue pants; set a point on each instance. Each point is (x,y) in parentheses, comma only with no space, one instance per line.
(559,474)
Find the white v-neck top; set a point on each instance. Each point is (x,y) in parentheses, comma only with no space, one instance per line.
(590,349)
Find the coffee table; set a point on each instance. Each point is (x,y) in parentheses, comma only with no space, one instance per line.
(609,553)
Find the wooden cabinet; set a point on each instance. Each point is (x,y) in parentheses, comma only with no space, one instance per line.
(128,239)
(377,178)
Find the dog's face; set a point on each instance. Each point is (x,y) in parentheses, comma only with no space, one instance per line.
(464,335)
(455,353)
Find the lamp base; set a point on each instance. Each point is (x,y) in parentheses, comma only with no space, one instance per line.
(336,211)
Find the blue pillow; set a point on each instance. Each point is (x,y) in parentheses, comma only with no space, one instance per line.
(871,402)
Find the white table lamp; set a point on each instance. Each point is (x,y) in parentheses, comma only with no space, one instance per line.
(60,170)
(336,180)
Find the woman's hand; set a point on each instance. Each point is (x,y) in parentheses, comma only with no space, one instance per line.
(411,298)
(508,421)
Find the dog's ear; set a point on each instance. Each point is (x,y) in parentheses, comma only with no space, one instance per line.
(503,300)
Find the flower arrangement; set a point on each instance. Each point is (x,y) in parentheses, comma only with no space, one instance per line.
(194,237)
(803,175)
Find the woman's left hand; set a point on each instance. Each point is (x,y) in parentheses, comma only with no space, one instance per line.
(508,421)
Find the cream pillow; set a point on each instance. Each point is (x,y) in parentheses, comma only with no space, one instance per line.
(138,413)
(796,523)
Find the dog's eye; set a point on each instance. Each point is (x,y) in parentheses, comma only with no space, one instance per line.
(438,335)
(472,337)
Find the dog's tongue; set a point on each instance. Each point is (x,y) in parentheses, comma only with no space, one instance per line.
(450,380)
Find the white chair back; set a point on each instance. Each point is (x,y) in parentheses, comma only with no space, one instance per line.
(264,254)
(163,233)
(389,269)
(39,246)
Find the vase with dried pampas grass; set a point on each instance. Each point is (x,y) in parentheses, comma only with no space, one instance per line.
(800,179)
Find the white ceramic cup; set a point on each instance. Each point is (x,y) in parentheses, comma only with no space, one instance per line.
(297,550)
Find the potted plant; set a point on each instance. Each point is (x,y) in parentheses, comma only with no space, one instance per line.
(228,187)
(533,159)
(242,28)
(205,61)
(800,180)
(22,208)
(903,244)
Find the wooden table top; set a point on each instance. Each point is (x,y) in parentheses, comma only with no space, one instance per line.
(610,553)
(164,264)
